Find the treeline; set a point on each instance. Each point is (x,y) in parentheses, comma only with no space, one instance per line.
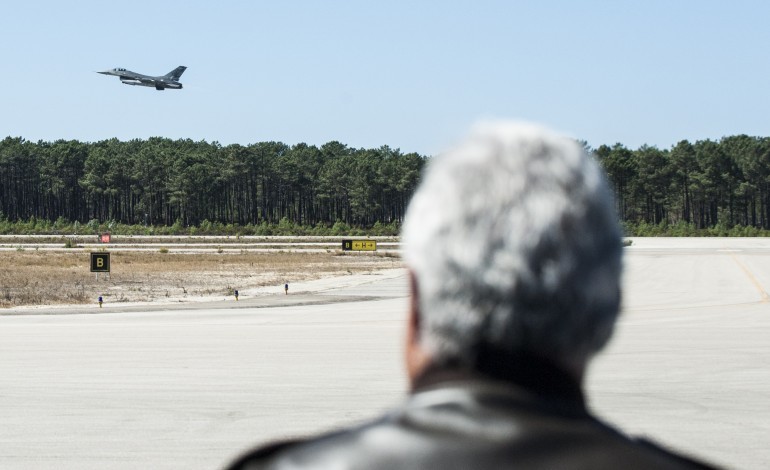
(703,188)
(719,187)
(162,182)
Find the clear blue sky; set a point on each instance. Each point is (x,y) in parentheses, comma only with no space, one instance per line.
(409,74)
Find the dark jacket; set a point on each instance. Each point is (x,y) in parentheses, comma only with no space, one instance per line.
(459,420)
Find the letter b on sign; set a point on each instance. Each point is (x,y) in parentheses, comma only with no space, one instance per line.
(100,262)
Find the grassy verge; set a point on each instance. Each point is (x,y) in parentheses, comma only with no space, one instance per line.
(29,277)
(284,227)
(682,229)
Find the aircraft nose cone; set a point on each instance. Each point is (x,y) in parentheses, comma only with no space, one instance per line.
(106,72)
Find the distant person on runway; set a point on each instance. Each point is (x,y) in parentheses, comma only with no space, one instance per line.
(514,254)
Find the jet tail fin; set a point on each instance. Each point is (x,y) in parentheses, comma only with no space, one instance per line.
(176,73)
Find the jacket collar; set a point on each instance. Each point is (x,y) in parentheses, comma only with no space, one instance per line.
(526,372)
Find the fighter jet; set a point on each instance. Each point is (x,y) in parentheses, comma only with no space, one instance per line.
(170,80)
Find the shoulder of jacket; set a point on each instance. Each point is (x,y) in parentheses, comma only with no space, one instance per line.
(685,460)
(265,456)
(259,457)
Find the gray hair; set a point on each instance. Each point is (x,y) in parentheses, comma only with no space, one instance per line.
(513,240)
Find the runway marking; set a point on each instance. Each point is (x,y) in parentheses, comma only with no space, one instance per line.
(757,285)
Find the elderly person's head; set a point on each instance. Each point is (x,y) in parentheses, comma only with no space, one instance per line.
(513,244)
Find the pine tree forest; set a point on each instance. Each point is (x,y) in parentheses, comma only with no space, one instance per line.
(161,182)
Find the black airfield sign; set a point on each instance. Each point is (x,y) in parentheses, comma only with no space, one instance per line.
(100,262)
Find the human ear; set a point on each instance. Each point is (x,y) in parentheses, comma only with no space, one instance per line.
(416,357)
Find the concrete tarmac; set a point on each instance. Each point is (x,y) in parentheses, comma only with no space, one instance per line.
(192,386)
(689,364)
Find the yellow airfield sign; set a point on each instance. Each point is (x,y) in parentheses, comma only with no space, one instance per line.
(359,245)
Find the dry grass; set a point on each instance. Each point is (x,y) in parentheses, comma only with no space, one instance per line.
(45,278)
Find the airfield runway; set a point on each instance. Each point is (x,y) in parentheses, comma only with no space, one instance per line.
(191,387)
